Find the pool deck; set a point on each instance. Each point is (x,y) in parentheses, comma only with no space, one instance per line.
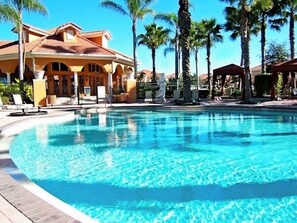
(21,201)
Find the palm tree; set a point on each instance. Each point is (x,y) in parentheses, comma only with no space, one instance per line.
(232,16)
(172,20)
(244,7)
(12,11)
(184,22)
(195,45)
(209,31)
(289,13)
(154,37)
(135,10)
(266,15)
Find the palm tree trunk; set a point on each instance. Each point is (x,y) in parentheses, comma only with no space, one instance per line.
(154,64)
(208,62)
(245,49)
(197,70)
(184,21)
(20,54)
(292,35)
(154,72)
(134,48)
(176,46)
(263,43)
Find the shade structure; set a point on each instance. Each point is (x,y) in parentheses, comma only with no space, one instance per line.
(231,69)
(285,68)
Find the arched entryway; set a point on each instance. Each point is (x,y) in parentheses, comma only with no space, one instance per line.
(91,76)
(60,80)
(28,75)
(118,80)
(3,77)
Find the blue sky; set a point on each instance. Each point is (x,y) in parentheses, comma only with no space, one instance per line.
(89,16)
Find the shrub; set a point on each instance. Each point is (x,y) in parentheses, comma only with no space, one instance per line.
(263,84)
(8,90)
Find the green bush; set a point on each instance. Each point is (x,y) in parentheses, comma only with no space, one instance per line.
(263,84)
(7,90)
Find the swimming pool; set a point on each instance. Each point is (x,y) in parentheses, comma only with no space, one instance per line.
(140,166)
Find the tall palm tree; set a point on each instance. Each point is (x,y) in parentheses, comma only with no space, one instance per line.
(209,31)
(154,37)
(172,20)
(135,10)
(244,7)
(289,12)
(195,45)
(232,16)
(12,11)
(266,14)
(184,22)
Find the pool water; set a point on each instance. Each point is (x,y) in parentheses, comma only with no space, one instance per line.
(140,166)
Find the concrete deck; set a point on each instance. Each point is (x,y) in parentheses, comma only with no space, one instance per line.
(19,202)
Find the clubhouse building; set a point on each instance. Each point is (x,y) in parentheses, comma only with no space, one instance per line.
(70,61)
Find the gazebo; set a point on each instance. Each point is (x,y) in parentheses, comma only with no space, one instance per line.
(231,69)
(285,68)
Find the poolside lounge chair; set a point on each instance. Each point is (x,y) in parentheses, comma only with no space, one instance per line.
(17,99)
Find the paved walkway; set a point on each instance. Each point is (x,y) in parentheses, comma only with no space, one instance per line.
(19,205)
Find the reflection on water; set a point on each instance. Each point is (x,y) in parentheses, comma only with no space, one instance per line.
(159,166)
(42,134)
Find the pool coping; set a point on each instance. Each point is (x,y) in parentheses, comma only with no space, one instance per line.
(28,201)
(14,178)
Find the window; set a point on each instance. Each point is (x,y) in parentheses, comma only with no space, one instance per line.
(95,68)
(70,34)
(56,66)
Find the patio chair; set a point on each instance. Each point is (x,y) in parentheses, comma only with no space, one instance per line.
(17,99)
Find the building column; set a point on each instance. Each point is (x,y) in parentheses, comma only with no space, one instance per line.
(38,74)
(8,79)
(110,84)
(75,87)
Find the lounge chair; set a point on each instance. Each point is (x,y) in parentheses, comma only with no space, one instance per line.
(17,99)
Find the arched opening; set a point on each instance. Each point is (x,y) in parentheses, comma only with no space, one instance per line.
(60,80)
(28,75)
(3,77)
(118,80)
(91,76)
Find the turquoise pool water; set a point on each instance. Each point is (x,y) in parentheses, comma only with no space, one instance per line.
(138,166)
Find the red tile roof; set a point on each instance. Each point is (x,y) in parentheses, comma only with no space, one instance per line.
(53,44)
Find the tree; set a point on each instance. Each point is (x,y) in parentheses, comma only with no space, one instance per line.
(209,32)
(195,45)
(232,16)
(289,12)
(244,6)
(265,13)
(276,53)
(12,11)
(135,10)
(172,20)
(154,37)
(184,22)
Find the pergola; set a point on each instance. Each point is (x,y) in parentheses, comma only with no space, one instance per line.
(285,68)
(231,69)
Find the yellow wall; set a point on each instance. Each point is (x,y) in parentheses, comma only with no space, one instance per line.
(39,92)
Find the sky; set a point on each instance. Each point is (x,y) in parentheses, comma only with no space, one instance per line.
(90,17)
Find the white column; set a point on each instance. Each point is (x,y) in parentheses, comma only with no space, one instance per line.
(162,90)
(38,74)
(8,78)
(110,83)
(75,88)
